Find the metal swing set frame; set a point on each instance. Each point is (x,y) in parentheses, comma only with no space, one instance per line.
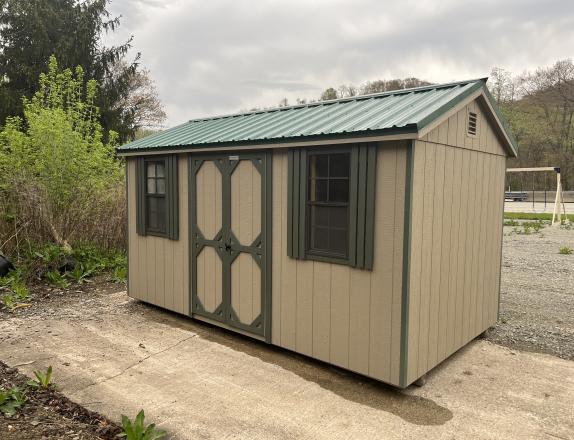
(557,213)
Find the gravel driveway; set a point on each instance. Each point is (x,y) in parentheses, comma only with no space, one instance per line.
(537,301)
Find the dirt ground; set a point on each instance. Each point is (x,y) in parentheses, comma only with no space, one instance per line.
(537,293)
(115,355)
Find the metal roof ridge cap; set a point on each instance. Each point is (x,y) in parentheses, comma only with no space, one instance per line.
(339,100)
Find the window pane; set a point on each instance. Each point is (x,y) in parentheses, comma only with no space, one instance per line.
(151,169)
(318,190)
(160,186)
(339,165)
(320,216)
(160,172)
(319,165)
(320,238)
(151,185)
(338,190)
(338,217)
(338,241)
(161,214)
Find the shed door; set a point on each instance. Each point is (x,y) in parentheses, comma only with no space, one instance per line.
(230,244)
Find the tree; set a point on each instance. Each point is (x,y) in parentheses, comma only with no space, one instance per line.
(140,104)
(33,30)
(56,168)
(329,93)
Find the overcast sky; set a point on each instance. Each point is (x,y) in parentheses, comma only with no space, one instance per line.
(211,57)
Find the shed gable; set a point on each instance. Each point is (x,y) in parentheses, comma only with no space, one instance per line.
(454,131)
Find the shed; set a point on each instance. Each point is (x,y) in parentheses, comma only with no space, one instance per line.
(365,232)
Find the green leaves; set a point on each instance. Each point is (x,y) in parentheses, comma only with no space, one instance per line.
(56,279)
(11,400)
(43,381)
(138,431)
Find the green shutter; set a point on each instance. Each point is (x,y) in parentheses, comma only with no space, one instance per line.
(140,196)
(361,204)
(172,198)
(296,200)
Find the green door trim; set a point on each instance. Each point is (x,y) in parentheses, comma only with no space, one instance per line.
(226,244)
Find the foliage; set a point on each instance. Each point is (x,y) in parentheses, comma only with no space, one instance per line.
(138,431)
(565,250)
(32,30)
(60,180)
(43,381)
(11,400)
(539,107)
(56,279)
(14,288)
(532,216)
(377,86)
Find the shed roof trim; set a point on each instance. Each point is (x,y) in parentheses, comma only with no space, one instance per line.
(399,111)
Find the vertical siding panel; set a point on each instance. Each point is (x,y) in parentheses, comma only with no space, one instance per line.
(340,290)
(443,132)
(454,271)
(435,263)
(133,240)
(305,307)
(463,281)
(452,129)
(446,251)
(472,245)
(279,240)
(483,242)
(417,222)
(427,240)
(359,311)
(322,281)
(398,244)
(461,128)
(381,296)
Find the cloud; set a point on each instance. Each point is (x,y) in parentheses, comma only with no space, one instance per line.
(225,55)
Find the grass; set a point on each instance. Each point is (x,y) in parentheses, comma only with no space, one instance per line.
(565,250)
(533,216)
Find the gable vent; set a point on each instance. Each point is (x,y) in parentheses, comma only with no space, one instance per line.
(472,124)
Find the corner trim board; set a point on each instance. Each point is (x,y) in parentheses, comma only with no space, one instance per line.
(406,266)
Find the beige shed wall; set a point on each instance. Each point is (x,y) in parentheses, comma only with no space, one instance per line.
(344,316)
(456,234)
(158,268)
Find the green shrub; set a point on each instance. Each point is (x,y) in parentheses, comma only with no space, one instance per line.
(11,400)
(138,431)
(565,250)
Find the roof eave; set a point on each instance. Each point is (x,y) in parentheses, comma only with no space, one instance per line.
(407,129)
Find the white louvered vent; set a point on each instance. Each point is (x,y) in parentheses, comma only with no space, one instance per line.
(472,128)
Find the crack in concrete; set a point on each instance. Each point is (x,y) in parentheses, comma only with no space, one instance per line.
(135,364)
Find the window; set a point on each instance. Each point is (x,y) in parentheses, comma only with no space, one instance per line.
(157,196)
(328,204)
(156,214)
(331,204)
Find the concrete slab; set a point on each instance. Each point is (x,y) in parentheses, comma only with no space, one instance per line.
(115,355)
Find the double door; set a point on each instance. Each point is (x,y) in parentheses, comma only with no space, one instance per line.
(230,239)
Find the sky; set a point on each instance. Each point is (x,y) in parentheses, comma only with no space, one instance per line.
(211,57)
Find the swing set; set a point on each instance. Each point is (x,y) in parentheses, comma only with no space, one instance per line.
(522,195)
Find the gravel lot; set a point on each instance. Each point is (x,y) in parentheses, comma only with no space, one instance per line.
(537,301)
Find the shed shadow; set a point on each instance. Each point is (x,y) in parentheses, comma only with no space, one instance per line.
(348,385)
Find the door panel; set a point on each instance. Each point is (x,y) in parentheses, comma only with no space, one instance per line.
(231,239)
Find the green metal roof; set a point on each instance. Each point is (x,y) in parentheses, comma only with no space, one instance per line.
(400,111)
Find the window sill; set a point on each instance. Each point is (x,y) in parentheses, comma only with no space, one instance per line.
(328,259)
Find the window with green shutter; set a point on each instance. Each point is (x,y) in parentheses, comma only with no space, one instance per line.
(157,196)
(331,204)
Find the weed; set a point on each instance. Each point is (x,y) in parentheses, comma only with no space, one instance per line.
(9,301)
(55,278)
(510,222)
(533,216)
(138,431)
(80,273)
(43,381)
(565,250)
(11,400)
(119,275)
